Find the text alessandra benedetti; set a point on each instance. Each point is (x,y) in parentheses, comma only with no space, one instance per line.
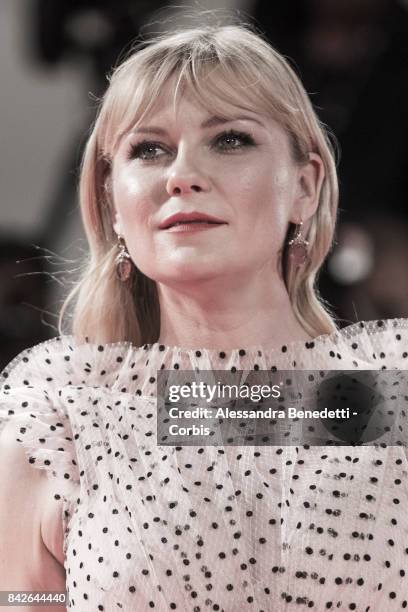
(267,413)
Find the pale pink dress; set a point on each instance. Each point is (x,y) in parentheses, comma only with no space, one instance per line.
(206,528)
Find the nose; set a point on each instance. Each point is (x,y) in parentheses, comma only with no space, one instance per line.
(184,179)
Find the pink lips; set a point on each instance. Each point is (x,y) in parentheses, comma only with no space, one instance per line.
(185,221)
(192,228)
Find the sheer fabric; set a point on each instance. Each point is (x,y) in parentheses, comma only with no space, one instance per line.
(207,528)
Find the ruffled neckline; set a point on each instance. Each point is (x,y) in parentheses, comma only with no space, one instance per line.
(345,333)
(64,361)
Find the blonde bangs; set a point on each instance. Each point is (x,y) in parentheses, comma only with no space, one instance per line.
(204,70)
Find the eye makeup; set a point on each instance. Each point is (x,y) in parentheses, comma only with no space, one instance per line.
(228,141)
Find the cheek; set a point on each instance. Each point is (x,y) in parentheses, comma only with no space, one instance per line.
(265,194)
(133,197)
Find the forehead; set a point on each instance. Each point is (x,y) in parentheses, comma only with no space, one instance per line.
(212,94)
(188,110)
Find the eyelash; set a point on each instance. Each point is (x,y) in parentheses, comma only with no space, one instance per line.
(137,150)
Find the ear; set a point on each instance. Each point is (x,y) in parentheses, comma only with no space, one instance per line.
(116,220)
(117,224)
(309,184)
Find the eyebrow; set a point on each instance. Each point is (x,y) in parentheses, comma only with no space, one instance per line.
(212,121)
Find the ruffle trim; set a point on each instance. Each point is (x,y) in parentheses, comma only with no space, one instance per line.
(122,366)
(42,426)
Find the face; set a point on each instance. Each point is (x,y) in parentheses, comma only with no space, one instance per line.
(239,172)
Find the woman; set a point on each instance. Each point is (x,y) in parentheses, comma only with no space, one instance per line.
(209,171)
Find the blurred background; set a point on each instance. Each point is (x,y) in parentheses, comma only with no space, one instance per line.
(353,59)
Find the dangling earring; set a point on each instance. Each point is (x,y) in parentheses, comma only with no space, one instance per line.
(298,247)
(123,261)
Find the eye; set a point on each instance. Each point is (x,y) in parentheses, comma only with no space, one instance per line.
(146,151)
(232,140)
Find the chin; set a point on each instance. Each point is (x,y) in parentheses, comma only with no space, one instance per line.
(188,272)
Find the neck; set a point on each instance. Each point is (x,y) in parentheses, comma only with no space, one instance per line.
(211,315)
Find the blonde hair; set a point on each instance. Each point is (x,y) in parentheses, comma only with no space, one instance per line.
(217,64)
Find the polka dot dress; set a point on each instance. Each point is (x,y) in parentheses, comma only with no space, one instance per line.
(193,528)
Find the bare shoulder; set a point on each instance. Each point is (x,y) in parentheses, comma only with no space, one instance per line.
(26,512)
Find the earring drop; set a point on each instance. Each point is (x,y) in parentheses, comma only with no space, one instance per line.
(298,251)
(123,261)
